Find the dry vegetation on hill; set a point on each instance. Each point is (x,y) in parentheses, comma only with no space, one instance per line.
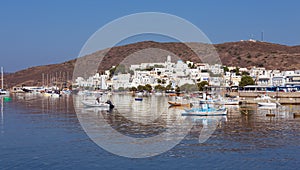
(241,54)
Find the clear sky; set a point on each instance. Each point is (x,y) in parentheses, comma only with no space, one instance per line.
(44,32)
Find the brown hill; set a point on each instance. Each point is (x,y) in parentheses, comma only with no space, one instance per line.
(241,54)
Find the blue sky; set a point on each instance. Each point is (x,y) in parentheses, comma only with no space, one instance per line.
(44,32)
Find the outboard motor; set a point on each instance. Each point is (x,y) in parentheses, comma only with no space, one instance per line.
(111,106)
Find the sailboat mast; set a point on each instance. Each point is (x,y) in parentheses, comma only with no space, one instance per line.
(1,77)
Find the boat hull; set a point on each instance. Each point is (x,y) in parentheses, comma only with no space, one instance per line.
(267,104)
(178,104)
(205,112)
(95,104)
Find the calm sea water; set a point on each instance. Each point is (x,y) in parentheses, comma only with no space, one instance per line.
(45,133)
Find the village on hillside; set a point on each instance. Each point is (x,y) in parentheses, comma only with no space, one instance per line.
(183,75)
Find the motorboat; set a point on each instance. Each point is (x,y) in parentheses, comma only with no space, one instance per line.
(96,103)
(263,97)
(4,92)
(268,103)
(228,101)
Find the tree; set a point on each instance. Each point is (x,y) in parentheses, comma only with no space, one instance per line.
(159,88)
(140,88)
(201,85)
(189,87)
(169,87)
(177,89)
(133,89)
(159,81)
(226,69)
(148,87)
(121,89)
(246,80)
(245,73)
(120,69)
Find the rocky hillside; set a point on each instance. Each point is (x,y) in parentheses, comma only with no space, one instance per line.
(242,54)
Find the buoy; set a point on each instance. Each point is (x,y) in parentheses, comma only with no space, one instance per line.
(270,114)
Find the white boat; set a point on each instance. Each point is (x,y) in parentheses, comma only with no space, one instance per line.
(95,104)
(158,94)
(228,101)
(263,97)
(4,93)
(139,94)
(98,103)
(267,104)
(205,110)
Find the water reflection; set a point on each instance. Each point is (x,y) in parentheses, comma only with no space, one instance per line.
(45,127)
(2,113)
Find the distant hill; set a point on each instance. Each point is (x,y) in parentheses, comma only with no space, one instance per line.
(241,54)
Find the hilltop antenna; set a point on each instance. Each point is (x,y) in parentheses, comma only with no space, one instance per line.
(262,36)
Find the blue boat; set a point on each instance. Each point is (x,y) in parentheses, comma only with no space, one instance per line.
(205,110)
(138,99)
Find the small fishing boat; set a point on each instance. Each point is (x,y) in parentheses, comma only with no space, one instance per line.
(54,94)
(229,101)
(108,104)
(174,103)
(158,94)
(4,93)
(267,104)
(95,104)
(138,99)
(180,101)
(205,110)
